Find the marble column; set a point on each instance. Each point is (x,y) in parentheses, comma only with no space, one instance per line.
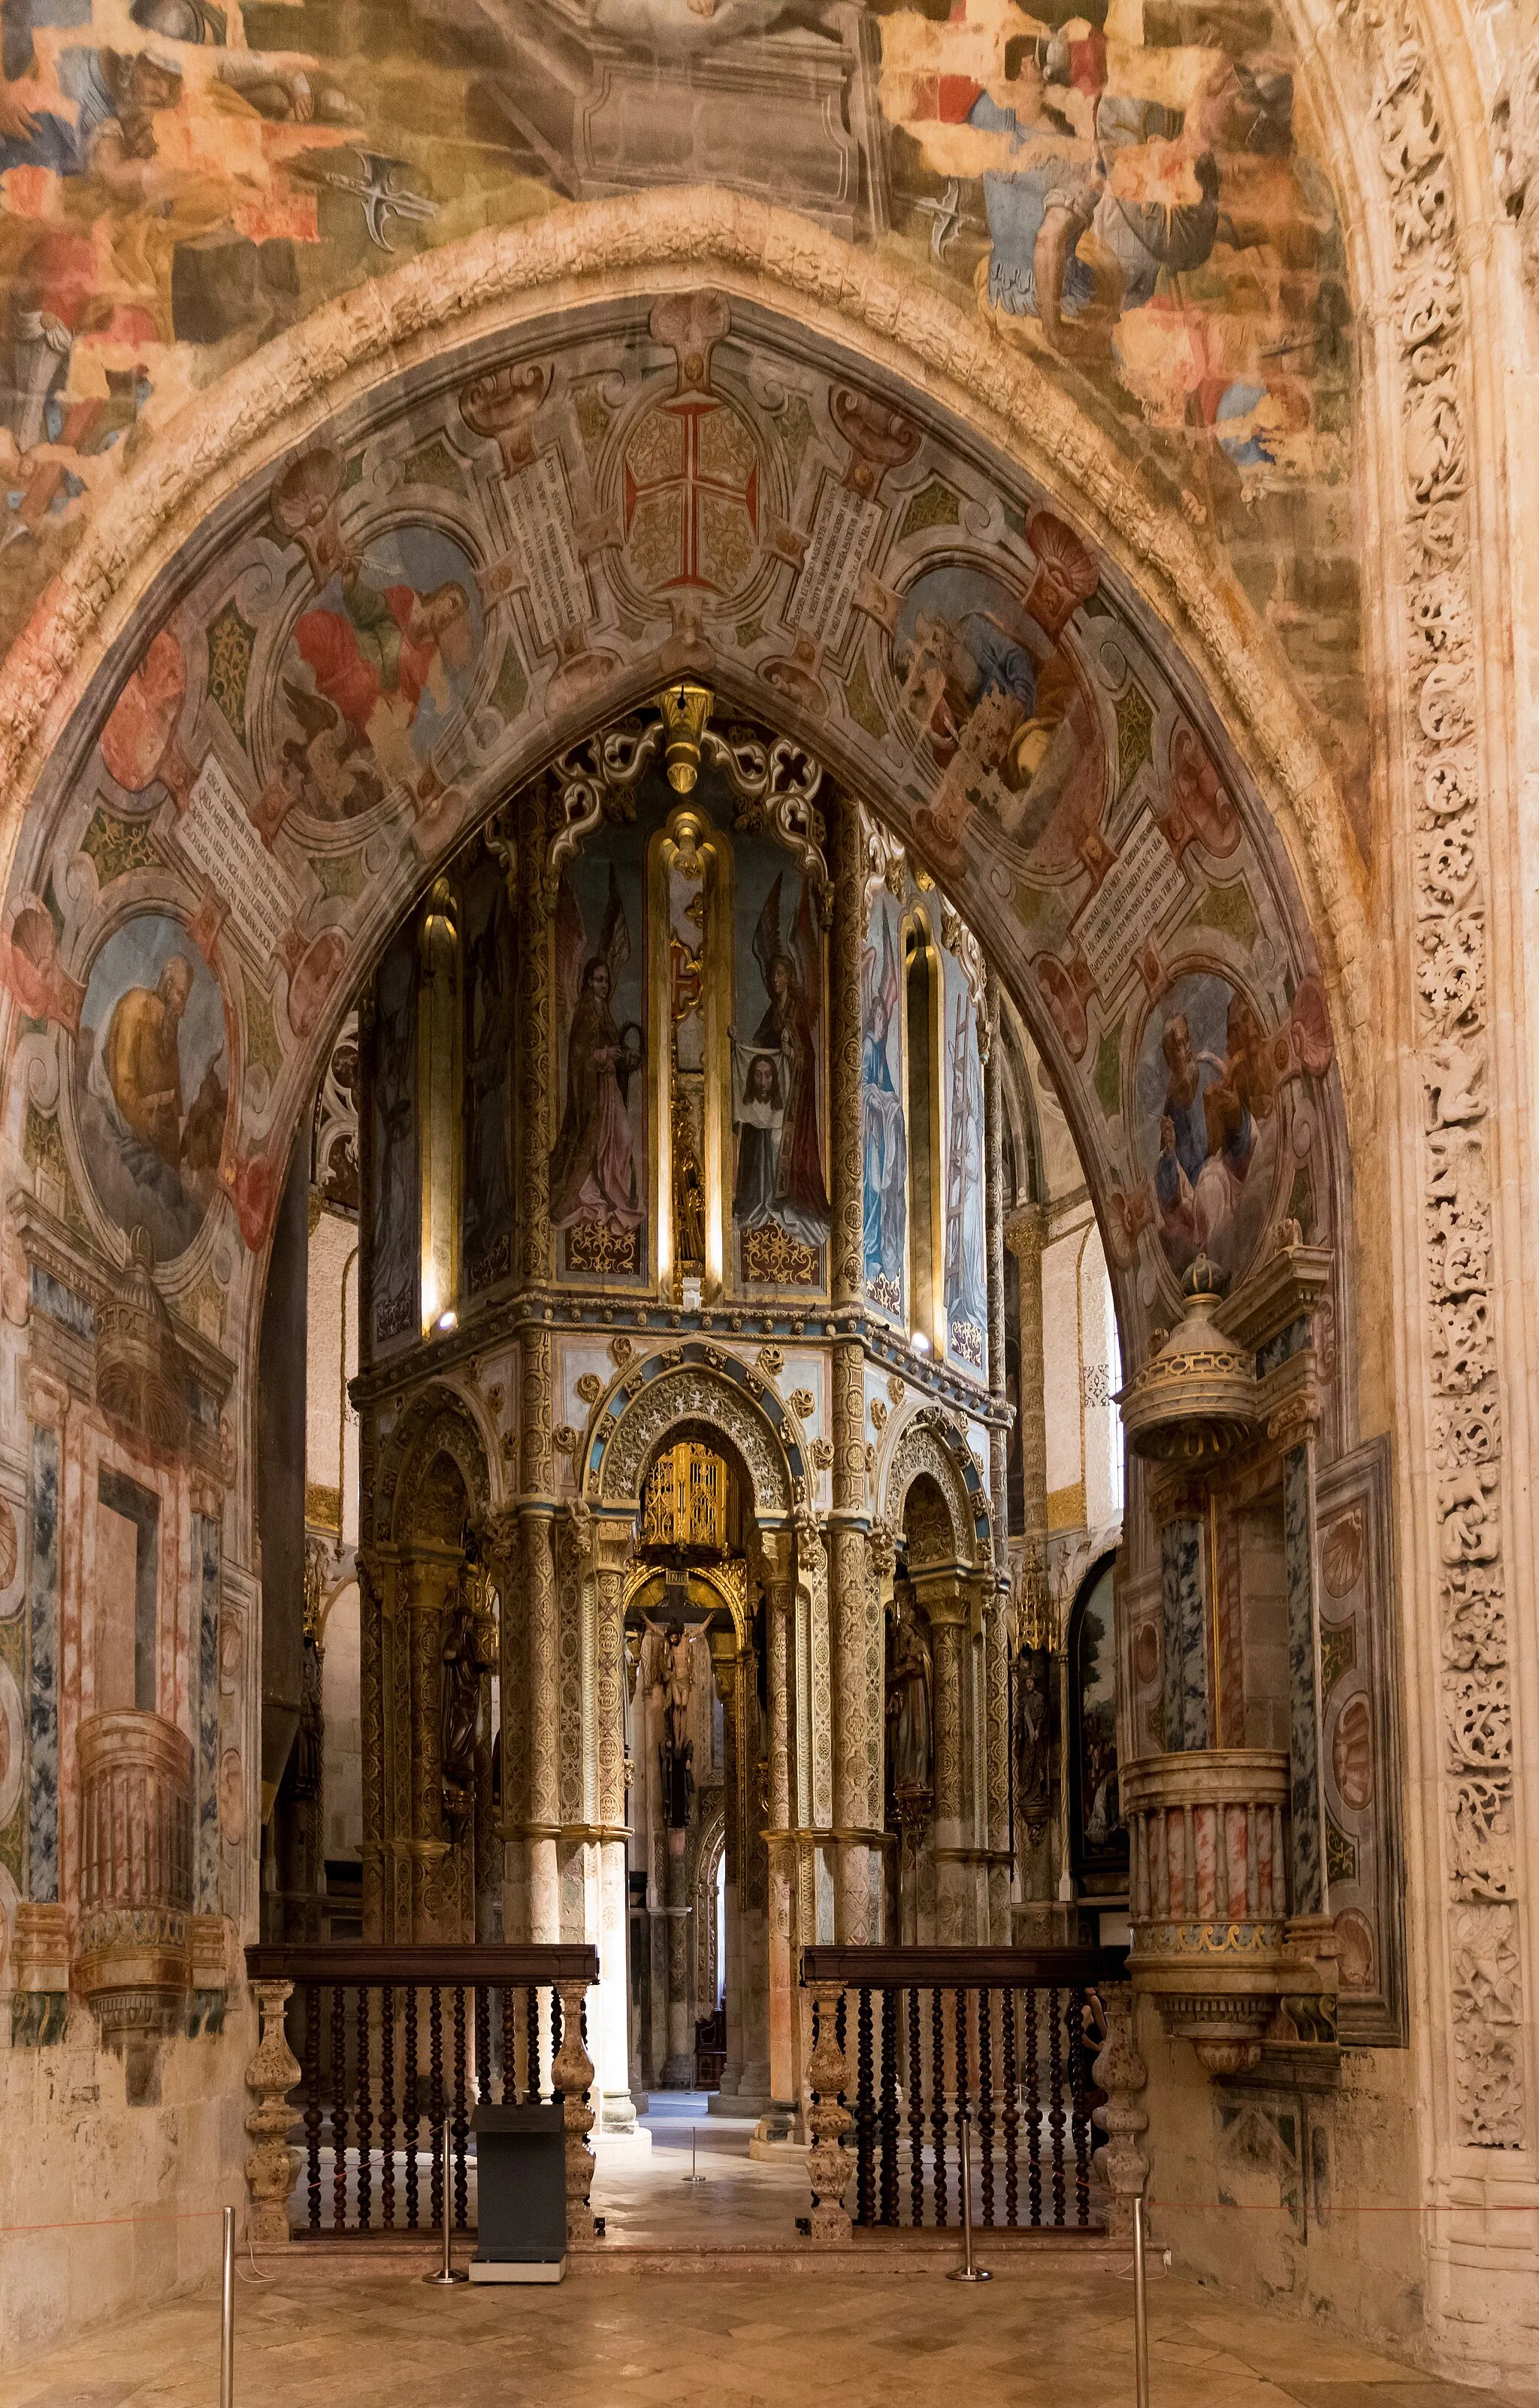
(1309,1884)
(1186,1715)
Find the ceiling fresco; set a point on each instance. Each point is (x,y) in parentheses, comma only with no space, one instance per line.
(374,649)
(1125,188)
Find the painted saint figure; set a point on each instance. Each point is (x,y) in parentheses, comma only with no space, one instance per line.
(910,1694)
(884,1136)
(776,1102)
(374,658)
(593,1165)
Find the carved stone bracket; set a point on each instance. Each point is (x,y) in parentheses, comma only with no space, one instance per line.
(1121,2073)
(272,2167)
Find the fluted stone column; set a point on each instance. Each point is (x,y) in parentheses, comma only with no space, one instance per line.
(729,1677)
(856,1644)
(780,1603)
(988,1039)
(505,1561)
(946,1606)
(616,2107)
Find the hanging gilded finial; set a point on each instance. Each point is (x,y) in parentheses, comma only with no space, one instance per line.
(685,708)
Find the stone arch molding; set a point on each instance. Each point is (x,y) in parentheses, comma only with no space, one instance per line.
(930,1444)
(436,1422)
(703,1386)
(436,411)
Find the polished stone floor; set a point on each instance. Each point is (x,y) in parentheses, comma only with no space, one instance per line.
(1044,2336)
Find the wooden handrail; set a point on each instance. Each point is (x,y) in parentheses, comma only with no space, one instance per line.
(497,1965)
(963,1968)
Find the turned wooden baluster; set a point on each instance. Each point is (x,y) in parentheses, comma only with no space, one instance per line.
(1012,2115)
(435,2105)
(889,2107)
(387,2107)
(483,2043)
(1078,2093)
(461,2125)
(531,2010)
(917,2116)
(313,2101)
(339,2108)
(1033,2113)
(1054,2113)
(365,2113)
(411,2105)
(986,2097)
(962,2100)
(510,2045)
(865,2116)
(938,2102)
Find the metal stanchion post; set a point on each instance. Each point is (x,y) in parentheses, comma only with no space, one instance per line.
(1140,2311)
(226,2315)
(967,2271)
(447,2271)
(691,2176)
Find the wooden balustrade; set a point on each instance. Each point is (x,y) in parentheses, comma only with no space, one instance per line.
(908,2042)
(395,2043)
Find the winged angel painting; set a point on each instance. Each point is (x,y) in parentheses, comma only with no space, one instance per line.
(599,1161)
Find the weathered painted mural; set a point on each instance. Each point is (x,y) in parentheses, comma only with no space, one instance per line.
(339,692)
(1129,191)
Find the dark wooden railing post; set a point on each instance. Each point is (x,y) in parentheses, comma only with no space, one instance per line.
(354,2090)
(982,2058)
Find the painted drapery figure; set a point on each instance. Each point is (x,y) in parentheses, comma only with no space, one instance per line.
(966,1277)
(593,1165)
(911,1689)
(884,1136)
(777,1111)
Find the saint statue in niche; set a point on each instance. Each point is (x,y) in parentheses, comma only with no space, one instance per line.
(910,1715)
(593,1165)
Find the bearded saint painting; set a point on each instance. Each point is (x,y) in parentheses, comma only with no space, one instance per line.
(594,1175)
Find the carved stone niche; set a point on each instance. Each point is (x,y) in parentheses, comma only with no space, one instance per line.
(134,1963)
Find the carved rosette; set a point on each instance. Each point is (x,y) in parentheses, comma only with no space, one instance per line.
(272,2167)
(572,2072)
(1427,330)
(827,2167)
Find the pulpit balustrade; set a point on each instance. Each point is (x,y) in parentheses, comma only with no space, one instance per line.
(908,2042)
(395,2043)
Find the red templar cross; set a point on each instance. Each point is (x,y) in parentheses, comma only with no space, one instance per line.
(692,497)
